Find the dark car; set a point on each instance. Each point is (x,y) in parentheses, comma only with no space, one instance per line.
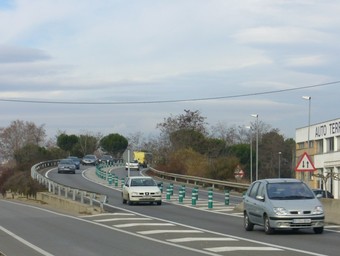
(75,160)
(66,165)
(89,160)
(106,159)
(323,193)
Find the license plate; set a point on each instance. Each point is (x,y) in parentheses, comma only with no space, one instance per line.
(299,221)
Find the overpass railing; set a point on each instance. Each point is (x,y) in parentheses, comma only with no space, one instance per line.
(61,190)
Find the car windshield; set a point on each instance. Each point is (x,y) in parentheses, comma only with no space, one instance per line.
(66,161)
(143,183)
(90,156)
(289,191)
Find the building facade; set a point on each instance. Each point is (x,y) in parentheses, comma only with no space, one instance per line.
(321,142)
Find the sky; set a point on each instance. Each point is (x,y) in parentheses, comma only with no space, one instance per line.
(122,66)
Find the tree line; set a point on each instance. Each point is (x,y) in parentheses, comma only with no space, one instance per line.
(186,144)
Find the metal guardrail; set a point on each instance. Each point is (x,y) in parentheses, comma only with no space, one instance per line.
(200,181)
(75,194)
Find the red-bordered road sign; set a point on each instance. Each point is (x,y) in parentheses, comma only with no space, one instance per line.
(305,164)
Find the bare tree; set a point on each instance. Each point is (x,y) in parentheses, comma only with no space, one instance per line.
(19,134)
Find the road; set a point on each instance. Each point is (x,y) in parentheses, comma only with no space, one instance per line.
(169,229)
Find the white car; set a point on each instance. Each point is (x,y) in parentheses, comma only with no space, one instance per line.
(139,189)
(133,166)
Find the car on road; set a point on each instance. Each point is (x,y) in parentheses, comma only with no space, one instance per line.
(107,159)
(132,165)
(278,204)
(138,189)
(89,160)
(76,161)
(323,193)
(66,165)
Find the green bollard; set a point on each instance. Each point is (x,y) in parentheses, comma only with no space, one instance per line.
(226,197)
(171,189)
(193,197)
(122,182)
(110,179)
(168,193)
(196,189)
(210,199)
(180,196)
(116,181)
(183,189)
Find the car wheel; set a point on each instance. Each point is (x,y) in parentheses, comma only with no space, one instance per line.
(159,203)
(248,225)
(124,201)
(318,230)
(267,228)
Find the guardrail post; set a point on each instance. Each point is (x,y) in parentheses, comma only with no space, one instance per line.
(226,197)
(82,197)
(210,199)
(59,190)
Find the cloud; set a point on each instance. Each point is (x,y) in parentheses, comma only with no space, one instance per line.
(13,54)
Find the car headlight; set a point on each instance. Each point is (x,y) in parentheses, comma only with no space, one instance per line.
(318,210)
(280,211)
(158,193)
(134,194)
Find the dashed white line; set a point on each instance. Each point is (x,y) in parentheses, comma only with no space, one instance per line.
(122,219)
(193,239)
(161,231)
(127,225)
(244,248)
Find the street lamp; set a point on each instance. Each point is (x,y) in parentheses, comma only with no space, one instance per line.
(309,98)
(257,145)
(279,164)
(251,154)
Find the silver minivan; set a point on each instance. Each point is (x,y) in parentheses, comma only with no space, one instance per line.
(282,204)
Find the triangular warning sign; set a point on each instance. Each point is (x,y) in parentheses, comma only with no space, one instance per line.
(305,164)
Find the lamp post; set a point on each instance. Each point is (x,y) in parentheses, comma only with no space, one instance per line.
(251,154)
(309,98)
(280,164)
(257,145)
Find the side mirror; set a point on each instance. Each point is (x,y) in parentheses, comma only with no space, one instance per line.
(260,198)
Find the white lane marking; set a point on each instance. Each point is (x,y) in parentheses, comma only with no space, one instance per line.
(128,225)
(238,248)
(193,239)
(117,219)
(162,231)
(108,214)
(34,247)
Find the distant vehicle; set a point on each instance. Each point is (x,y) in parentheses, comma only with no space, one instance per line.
(323,193)
(66,165)
(282,204)
(89,160)
(143,158)
(106,159)
(76,161)
(139,189)
(132,165)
